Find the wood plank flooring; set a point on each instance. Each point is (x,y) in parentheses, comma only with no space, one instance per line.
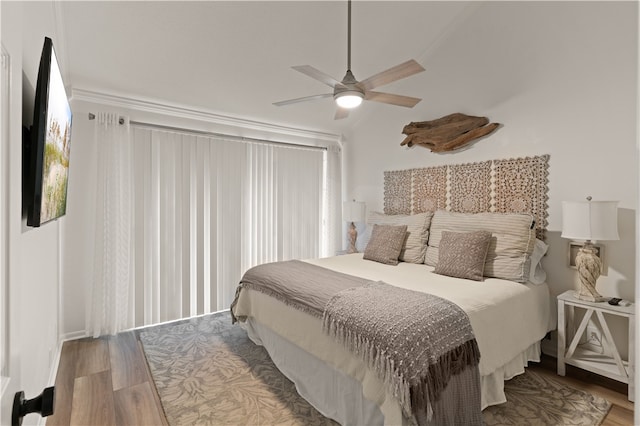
(106,381)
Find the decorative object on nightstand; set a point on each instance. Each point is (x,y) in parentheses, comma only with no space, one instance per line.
(609,363)
(353,211)
(589,220)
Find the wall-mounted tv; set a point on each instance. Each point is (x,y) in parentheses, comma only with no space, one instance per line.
(46,159)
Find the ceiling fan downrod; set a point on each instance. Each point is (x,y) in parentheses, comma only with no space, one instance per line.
(348,35)
(349,95)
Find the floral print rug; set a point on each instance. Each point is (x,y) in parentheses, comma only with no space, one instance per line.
(534,399)
(207,371)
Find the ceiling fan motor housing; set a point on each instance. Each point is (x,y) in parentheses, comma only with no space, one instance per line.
(348,83)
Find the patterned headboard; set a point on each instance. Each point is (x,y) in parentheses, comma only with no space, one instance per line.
(517,185)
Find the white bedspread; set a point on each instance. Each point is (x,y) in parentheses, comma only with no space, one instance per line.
(508,318)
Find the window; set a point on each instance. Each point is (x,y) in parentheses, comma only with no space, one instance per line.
(207,208)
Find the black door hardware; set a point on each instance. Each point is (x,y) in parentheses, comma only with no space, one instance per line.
(42,404)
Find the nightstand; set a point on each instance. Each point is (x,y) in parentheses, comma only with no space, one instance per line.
(611,366)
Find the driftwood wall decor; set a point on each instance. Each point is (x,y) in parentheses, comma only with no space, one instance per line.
(447,133)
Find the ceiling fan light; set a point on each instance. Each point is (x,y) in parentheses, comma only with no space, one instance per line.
(349,99)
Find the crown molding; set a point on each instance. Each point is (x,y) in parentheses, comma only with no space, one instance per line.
(182,111)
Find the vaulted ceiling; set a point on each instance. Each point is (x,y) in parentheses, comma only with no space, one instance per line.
(235,58)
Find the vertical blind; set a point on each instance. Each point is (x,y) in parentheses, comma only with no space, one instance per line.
(208,208)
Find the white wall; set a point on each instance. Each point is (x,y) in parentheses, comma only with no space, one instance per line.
(34,255)
(562,79)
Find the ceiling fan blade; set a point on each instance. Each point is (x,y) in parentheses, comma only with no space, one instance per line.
(303,99)
(341,113)
(316,74)
(389,98)
(398,72)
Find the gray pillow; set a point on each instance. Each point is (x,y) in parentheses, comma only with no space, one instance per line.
(385,243)
(415,245)
(462,255)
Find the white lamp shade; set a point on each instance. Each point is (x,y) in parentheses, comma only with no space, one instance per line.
(590,220)
(354,211)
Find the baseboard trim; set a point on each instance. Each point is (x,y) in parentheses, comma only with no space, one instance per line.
(56,360)
(73,336)
(54,365)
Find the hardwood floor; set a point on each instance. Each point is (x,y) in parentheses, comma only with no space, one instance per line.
(106,381)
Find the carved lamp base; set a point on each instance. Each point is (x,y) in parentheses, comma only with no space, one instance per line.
(353,235)
(589,269)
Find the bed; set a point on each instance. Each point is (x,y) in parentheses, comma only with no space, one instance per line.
(509,316)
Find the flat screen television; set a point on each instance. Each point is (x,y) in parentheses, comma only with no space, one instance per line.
(47,162)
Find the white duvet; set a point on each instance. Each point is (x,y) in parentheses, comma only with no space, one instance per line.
(508,319)
(506,316)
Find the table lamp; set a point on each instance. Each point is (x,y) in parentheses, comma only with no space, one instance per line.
(353,211)
(589,220)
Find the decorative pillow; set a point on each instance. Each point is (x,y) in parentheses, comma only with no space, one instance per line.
(386,243)
(509,253)
(415,246)
(463,255)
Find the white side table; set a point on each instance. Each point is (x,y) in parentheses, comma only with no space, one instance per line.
(611,366)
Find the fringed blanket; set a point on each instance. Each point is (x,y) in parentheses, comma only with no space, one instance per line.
(298,284)
(416,342)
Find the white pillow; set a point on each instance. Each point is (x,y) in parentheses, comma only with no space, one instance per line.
(509,255)
(363,238)
(537,275)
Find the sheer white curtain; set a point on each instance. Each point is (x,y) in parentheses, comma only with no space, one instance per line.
(332,232)
(208,208)
(109,306)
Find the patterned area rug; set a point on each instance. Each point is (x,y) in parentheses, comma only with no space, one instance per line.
(534,399)
(209,372)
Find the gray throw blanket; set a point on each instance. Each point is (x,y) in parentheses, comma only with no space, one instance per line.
(298,284)
(416,342)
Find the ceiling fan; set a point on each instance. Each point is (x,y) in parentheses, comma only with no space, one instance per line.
(349,93)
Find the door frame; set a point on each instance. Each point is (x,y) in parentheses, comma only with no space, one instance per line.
(9,363)
(5,69)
